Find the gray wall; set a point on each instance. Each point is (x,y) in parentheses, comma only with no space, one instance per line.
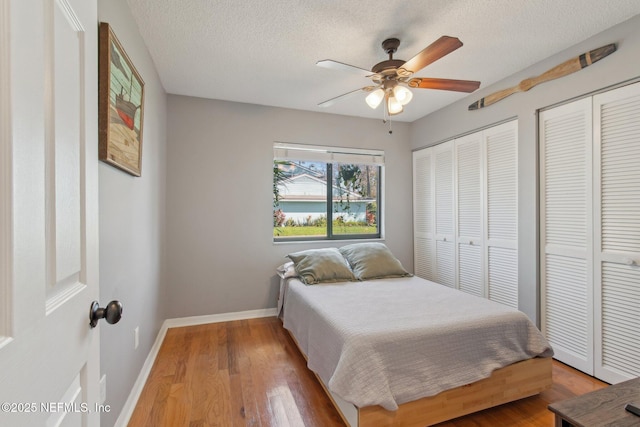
(220,253)
(622,65)
(132,222)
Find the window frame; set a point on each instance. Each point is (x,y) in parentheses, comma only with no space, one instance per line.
(331,156)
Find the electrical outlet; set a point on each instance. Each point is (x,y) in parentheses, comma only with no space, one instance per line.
(103,389)
(136,337)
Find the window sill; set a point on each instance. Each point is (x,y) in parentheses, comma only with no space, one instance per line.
(325,241)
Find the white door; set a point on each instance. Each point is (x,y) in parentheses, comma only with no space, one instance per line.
(423,241)
(445,214)
(566,258)
(590,232)
(49,357)
(501,232)
(469,197)
(616,120)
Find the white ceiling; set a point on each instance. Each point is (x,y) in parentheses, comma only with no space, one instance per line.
(264,51)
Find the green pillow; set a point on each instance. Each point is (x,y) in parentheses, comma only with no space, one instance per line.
(372,261)
(321,265)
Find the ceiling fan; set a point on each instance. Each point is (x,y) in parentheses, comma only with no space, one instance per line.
(393,78)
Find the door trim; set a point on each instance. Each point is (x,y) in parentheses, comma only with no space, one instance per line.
(6,171)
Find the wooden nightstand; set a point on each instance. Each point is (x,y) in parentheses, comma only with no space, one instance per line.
(603,407)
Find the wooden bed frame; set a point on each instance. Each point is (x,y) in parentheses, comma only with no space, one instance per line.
(513,382)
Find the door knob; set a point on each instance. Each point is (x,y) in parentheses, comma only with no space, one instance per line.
(112,313)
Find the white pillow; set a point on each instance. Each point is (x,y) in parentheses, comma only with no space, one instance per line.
(287,270)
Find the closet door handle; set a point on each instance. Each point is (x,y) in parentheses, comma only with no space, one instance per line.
(629,261)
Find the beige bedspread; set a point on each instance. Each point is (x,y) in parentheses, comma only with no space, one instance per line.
(390,341)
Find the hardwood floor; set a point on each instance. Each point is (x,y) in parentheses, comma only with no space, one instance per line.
(250,373)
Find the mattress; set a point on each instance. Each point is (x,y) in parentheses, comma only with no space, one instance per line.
(391,341)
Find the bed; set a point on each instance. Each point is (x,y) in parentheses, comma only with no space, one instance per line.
(393,349)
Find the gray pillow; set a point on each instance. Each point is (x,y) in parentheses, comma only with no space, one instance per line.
(321,265)
(372,260)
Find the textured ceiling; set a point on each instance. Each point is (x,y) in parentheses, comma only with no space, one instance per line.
(264,51)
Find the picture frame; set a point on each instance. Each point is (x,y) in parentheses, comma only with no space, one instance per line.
(120,105)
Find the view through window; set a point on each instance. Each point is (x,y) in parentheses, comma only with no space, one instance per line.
(306,193)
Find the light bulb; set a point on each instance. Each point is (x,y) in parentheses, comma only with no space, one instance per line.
(402,94)
(375,98)
(394,106)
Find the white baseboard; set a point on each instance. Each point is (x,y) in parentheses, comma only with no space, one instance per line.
(134,395)
(136,391)
(215,318)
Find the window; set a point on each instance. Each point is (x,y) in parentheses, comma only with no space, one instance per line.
(313,184)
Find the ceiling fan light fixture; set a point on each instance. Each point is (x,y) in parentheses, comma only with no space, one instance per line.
(375,98)
(402,94)
(394,106)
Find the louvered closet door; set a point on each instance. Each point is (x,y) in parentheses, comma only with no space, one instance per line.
(469,198)
(423,240)
(502,213)
(565,232)
(617,242)
(444,215)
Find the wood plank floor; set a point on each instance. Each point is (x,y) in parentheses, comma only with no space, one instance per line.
(250,373)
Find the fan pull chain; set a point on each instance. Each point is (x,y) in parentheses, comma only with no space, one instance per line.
(386,118)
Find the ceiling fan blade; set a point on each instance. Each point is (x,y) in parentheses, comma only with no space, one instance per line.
(436,50)
(335,65)
(444,84)
(330,102)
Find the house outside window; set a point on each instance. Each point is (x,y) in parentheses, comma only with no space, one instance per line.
(312,184)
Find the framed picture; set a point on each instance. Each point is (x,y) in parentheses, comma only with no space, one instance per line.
(121,105)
